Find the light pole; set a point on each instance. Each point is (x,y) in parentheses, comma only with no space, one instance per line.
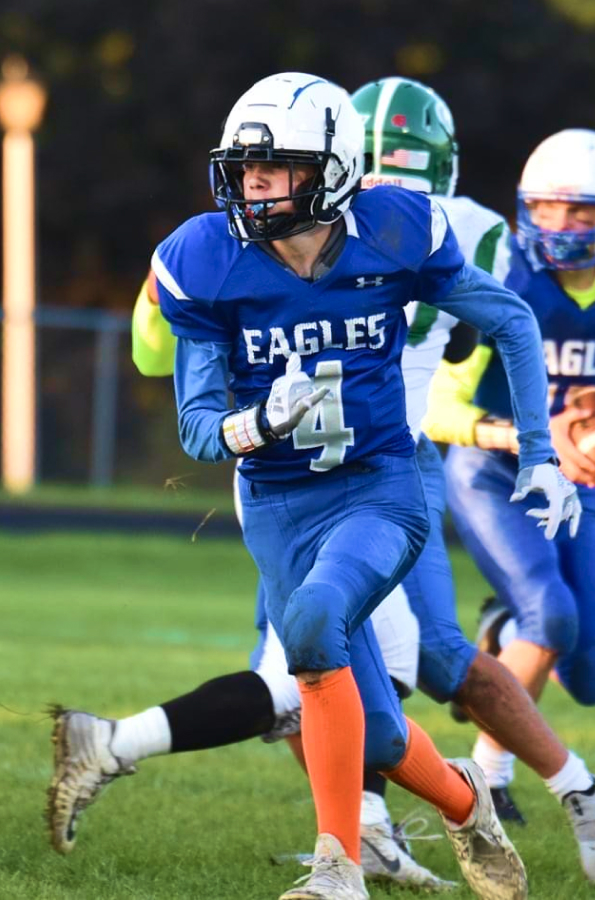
(22,104)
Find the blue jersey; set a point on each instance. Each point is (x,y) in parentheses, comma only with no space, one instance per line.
(568,334)
(238,313)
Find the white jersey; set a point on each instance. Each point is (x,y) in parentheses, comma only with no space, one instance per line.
(483,238)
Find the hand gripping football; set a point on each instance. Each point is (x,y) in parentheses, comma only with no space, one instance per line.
(582,432)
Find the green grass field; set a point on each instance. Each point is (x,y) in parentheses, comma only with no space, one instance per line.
(115,624)
(176,495)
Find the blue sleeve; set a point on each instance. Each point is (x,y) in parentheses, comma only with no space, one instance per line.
(480,300)
(200,379)
(191,318)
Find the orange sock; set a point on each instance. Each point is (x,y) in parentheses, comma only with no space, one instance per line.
(333,740)
(425,773)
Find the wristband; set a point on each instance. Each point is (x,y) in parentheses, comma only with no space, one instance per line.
(496,434)
(247,430)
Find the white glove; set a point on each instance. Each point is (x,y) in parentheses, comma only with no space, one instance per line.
(292,395)
(560,493)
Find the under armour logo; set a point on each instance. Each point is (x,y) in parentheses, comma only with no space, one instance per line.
(363,282)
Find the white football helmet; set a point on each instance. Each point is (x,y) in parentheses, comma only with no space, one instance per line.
(291,118)
(561,168)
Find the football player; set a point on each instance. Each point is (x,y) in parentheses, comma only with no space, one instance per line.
(293,297)
(547,587)
(265,701)
(410,142)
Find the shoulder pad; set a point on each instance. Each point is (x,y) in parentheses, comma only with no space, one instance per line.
(194,261)
(396,223)
(464,209)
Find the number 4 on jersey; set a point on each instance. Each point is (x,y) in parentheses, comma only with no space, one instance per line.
(324,425)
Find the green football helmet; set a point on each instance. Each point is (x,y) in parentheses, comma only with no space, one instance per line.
(410,137)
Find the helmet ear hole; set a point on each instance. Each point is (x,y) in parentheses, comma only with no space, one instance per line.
(334,175)
(308,192)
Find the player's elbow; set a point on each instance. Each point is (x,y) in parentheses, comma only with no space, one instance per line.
(200,439)
(151,369)
(188,437)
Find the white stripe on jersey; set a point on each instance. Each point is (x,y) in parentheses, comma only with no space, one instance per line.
(350,224)
(439,225)
(166,279)
(501,266)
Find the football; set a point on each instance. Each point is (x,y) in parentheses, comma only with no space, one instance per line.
(583,432)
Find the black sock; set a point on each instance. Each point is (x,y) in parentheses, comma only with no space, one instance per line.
(375,783)
(402,690)
(222,711)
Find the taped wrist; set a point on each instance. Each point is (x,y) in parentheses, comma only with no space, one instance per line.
(247,430)
(496,434)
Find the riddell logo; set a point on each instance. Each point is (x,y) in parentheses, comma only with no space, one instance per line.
(370,181)
(363,282)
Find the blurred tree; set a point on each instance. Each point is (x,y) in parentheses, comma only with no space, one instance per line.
(582,12)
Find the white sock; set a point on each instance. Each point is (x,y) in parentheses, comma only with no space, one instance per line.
(498,765)
(508,633)
(146,734)
(374,810)
(573,776)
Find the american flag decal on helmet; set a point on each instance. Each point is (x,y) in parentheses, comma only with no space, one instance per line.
(407,159)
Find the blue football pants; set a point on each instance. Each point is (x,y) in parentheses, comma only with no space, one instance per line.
(547,585)
(329,548)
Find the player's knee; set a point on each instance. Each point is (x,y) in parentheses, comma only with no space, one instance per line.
(443,671)
(584,693)
(579,678)
(314,631)
(386,740)
(560,633)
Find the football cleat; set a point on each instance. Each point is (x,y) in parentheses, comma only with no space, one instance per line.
(386,856)
(284,726)
(334,876)
(490,864)
(506,808)
(493,614)
(580,806)
(83,766)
